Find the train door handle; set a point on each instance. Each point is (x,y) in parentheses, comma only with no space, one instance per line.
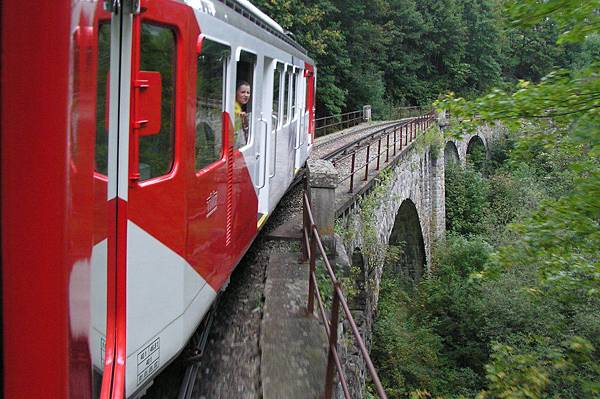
(274,155)
(299,136)
(301,126)
(264,174)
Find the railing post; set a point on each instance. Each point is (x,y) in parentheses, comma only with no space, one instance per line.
(333,333)
(310,307)
(305,222)
(367,113)
(352,172)
(395,129)
(378,153)
(323,180)
(402,136)
(387,148)
(367,162)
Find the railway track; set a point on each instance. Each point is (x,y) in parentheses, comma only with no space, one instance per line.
(350,142)
(330,143)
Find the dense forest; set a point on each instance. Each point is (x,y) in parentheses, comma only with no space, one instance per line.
(511,306)
(391,53)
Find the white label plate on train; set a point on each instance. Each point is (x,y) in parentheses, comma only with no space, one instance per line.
(148,360)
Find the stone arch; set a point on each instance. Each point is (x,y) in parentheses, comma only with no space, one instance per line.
(409,259)
(476,151)
(451,153)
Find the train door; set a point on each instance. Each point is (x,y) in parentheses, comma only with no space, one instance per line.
(267,124)
(162,286)
(249,129)
(207,193)
(282,163)
(292,120)
(302,139)
(151,282)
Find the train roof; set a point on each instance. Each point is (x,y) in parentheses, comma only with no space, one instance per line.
(245,16)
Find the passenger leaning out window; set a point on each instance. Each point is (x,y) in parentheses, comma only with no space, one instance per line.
(241,125)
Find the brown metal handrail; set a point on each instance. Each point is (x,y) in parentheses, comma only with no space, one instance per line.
(408,112)
(311,242)
(408,133)
(332,123)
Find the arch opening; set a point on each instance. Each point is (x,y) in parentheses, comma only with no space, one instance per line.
(406,255)
(451,153)
(476,152)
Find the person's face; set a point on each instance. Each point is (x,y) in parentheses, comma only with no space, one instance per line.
(242,94)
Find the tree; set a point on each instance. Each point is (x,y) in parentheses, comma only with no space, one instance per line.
(316,26)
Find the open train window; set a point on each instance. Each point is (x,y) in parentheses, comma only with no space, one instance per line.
(101,148)
(157,53)
(286,85)
(210,100)
(243,99)
(276,117)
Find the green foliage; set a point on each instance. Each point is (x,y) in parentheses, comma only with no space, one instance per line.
(449,300)
(575,19)
(316,26)
(466,193)
(563,240)
(433,138)
(396,339)
(373,250)
(560,95)
(532,366)
(411,352)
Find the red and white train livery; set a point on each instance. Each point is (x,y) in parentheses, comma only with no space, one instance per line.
(130,187)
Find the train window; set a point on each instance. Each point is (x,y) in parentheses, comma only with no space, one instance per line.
(286,85)
(276,89)
(210,97)
(243,99)
(157,53)
(101,148)
(294,94)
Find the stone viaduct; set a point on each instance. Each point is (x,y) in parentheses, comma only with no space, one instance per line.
(394,224)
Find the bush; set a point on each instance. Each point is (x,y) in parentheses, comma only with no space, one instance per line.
(466,200)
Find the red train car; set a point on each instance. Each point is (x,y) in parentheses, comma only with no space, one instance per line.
(134,178)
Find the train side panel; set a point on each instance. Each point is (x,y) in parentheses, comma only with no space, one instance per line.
(47,198)
(116,234)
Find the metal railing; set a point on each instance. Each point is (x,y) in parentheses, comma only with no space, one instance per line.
(333,123)
(408,112)
(311,243)
(392,139)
